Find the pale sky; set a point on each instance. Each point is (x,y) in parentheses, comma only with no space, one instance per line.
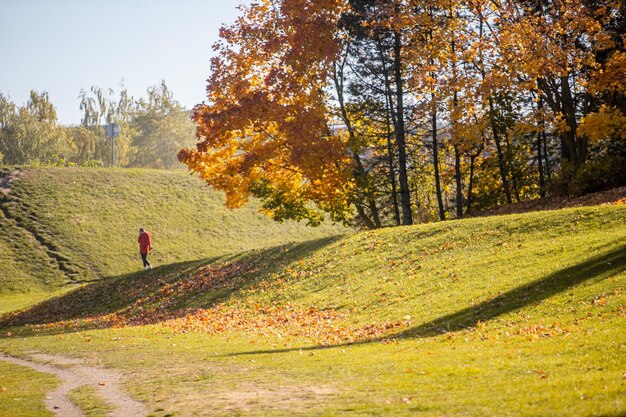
(61,46)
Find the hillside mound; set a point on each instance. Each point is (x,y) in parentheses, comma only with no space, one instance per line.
(61,225)
(533,274)
(613,196)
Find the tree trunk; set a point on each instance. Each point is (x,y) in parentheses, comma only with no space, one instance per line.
(470,185)
(501,163)
(459,185)
(405,196)
(578,149)
(511,171)
(359,173)
(390,119)
(364,217)
(442,213)
(545,155)
(392,176)
(457,156)
(375,215)
(560,100)
(542,182)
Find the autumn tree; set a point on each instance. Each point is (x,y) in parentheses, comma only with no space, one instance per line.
(572,53)
(403,108)
(372,65)
(267,128)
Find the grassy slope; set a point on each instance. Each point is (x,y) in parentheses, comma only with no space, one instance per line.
(517,315)
(88,219)
(22,259)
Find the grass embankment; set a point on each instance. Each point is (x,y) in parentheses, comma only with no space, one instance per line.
(24,264)
(519,315)
(81,224)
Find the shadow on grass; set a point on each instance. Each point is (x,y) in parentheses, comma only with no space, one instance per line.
(596,268)
(162,293)
(600,267)
(101,297)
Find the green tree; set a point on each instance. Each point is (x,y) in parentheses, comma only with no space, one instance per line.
(163,127)
(31,134)
(100,107)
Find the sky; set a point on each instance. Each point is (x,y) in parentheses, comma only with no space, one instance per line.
(61,46)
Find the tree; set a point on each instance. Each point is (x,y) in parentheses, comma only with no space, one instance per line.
(163,126)
(386,107)
(564,48)
(267,128)
(30,134)
(100,107)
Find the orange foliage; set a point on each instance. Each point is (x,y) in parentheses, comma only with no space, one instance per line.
(266,128)
(160,305)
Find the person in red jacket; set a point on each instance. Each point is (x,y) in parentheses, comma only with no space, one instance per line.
(145,244)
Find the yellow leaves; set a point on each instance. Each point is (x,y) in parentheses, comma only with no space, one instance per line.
(430,80)
(269,118)
(600,301)
(604,41)
(606,123)
(541,331)
(285,320)
(560,125)
(611,76)
(323,326)
(524,127)
(619,201)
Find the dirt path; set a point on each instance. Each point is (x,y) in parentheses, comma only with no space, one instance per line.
(74,374)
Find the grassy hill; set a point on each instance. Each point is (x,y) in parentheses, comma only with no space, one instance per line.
(516,315)
(24,263)
(81,224)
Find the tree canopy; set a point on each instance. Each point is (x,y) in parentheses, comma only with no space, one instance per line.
(153,129)
(398,110)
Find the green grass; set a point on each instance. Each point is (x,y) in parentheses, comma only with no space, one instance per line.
(24,265)
(83,223)
(89,401)
(23,391)
(520,315)
(21,300)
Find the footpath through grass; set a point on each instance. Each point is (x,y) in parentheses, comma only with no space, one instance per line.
(519,315)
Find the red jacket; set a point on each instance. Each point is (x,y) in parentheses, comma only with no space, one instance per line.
(145,244)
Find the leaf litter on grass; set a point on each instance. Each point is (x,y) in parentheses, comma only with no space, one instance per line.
(167,306)
(254,292)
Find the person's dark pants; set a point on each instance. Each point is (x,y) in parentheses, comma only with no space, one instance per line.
(144,258)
